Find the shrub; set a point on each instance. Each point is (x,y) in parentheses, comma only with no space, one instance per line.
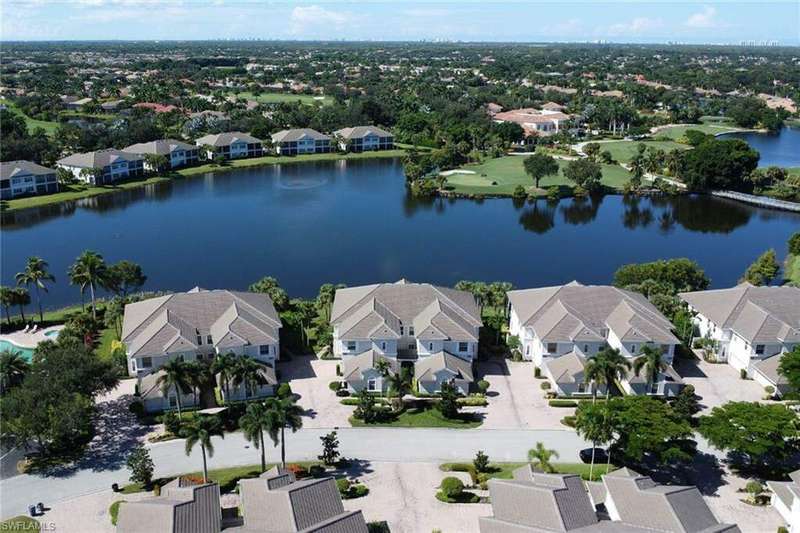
(113,511)
(554,193)
(769,392)
(483,386)
(463,467)
(284,390)
(545,385)
(537,372)
(481,462)
(569,421)
(743,373)
(343,484)
(452,487)
(338,369)
(794,244)
(358,490)
(316,470)
(562,403)
(141,465)
(298,470)
(342,393)
(379,527)
(519,192)
(473,401)
(171,422)
(137,408)
(335,385)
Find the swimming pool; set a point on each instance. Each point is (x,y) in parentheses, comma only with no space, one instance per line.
(52,333)
(27,353)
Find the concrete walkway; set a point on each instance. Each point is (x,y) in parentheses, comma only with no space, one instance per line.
(372,444)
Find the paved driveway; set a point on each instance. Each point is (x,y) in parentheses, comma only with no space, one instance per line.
(309,378)
(516,399)
(717,384)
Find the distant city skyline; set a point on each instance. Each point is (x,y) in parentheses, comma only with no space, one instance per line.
(629,21)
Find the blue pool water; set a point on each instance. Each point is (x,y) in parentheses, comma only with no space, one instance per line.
(27,353)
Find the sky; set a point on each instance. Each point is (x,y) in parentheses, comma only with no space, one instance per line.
(629,21)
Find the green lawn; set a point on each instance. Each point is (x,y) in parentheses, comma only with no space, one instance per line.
(76,192)
(47,126)
(506,470)
(508,172)
(623,151)
(20,523)
(676,132)
(423,418)
(225,477)
(792,269)
(277,98)
(793,171)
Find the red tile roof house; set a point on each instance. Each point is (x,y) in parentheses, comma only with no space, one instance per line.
(157,108)
(535,121)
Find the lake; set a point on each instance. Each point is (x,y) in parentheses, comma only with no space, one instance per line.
(780,149)
(352,222)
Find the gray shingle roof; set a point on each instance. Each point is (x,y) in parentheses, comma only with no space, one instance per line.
(181,508)
(426,367)
(161,147)
(359,132)
(226,139)
(575,312)
(353,368)
(169,324)
(758,314)
(297,135)
(378,311)
(9,169)
(567,368)
(769,369)
(787,491)
(98,159)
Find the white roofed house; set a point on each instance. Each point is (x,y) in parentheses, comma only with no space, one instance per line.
(231,145)
(25,178)
(786,500)
(364,139)
(434,329)
(301,141)
(196,326)
(751,327)
(561,327)
(177,153)
(103,166)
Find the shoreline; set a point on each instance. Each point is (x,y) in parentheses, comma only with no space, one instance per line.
(31,202)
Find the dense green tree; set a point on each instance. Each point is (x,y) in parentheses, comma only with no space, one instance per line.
(125,277)
(269,286)
(585,173)
(330,448)
(448,401)
(539,165)
(141,465)
(594,425)
(680,274)
(719,164)
(794,243)
(764,270)
(789,368)
(7,301)
(13,367)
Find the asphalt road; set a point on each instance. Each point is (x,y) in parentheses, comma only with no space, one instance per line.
(373,444)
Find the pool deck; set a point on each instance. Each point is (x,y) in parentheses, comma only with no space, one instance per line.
(29,340)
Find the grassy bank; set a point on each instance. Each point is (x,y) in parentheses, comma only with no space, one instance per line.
(508,172)
(48,126)
(77,192)
(20,523)
(506,470)
(676,132)
(791,269)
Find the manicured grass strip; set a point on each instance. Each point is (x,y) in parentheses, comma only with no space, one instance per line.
(76,192)
(427,417)
(506,470)
(113,511)
(508,172)
(225,477)
(277,98)
(624,151)
(676,132)
(20,523)
(32,123)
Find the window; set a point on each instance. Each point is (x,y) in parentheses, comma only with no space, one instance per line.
(581,387)
(552,347)
(411,330)
(199,357)
(199,340)
(401,330)
(430,346)
(760,349)
(411,346)
(351,346)
(263,349)
(633,348)
(585,348)
(147,362)
(463,346)
(528,349)
(372,385)
(173,401)
(209,340)
(383,346)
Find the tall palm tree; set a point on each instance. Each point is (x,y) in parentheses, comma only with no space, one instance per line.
(247,373)
(13,368)
(541,456)
(257,420)
(224,366)
(197,376)
(615,367)
(652,362)
(92,269)
(21,298)
(78,277)
(283,413)
(7,300)
(399,386)
(199,431)
(36,274)
(175,376)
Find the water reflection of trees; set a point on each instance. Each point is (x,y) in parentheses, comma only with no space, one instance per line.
(700,213)
(581,210)
(538,216)
(635,214)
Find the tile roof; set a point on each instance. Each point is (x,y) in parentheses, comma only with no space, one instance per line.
(169,324)
(575,312)
(426,367)
(226,139)
(9,169)
(298,134)
(358,132)
(98,159)
(161,146)
(378,311)
(758,314)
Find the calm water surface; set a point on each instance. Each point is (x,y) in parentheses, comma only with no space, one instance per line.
(351,222)
(781,149)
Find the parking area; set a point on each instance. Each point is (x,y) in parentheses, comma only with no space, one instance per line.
(516,399)
(717,384)
(309,378)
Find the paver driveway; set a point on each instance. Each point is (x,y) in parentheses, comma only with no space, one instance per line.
(516,399)
(309,378)
(717,384)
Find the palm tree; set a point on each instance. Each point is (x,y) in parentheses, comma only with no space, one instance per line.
(224,366)
(13,368)
(399,386)
(21,298)
(78,277)
(36,274)
(199,431)
(541,456)
(175,375)
(283,413)
(247,373)
(7,300)
(197,375)
(91,268)
(256,420)
(652,361)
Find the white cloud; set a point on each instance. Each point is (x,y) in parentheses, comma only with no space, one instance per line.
(564,29)
(636,26)
(312,18)
(703,19)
